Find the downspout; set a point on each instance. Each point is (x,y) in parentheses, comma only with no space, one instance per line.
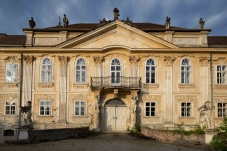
(21,82)
(211,82)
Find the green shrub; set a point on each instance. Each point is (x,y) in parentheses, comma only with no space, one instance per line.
(219,141)
(135,129)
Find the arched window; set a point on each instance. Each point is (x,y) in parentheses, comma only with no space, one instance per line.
(115,71)
(46,70)
(80,70)
(150,71)
(185,71)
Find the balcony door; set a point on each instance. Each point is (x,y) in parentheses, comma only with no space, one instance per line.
(115,72)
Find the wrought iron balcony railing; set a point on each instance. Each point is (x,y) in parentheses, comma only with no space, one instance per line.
(118,81)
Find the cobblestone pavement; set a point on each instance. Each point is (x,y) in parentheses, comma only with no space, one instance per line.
(102,142)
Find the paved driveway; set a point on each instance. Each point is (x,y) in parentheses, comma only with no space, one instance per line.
(102,142)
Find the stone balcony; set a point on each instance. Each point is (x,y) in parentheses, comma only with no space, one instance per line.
(116,82)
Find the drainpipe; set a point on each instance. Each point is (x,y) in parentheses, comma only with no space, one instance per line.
(21,82)
(211,82)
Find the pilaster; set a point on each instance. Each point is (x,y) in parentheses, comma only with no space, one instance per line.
(63,60)
(169,60)
(28,76)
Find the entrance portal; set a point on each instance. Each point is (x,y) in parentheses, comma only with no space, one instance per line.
(115,115)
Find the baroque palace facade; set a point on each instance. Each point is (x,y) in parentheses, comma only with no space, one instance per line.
(110,75)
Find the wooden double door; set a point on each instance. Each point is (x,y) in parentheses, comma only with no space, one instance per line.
(115,118)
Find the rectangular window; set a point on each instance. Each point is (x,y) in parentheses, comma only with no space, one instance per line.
(10,108)
(11,72)
(222,74)
(44,108)
(79,108)
(222,109)
(186,109)
(150,109)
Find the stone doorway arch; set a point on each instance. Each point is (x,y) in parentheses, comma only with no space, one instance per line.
(115,115)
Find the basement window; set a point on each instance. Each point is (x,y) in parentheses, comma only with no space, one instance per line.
(8,132)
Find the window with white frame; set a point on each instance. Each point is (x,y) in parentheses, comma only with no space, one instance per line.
(185,71)
(222,109)
(186,108)
(115,71)
(80,108)
(44,108)
(150,108)
(11,72)
(46,70)
(221,74)
(150,71)
(10,107)
(80,70)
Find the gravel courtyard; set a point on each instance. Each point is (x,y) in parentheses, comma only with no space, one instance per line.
(102,142)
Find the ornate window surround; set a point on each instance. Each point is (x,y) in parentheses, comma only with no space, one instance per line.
(154,99)
(85,108)
(190,76)
(115,66)
(75,65)
(12,100)
(17,77)
(45,98)
(41,64)
(155,65)
(50,110)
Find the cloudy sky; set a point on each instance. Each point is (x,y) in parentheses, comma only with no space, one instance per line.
(14,14)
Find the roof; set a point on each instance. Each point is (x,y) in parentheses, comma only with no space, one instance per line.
(12,39)
(217,40)
(86,27)
(91,26)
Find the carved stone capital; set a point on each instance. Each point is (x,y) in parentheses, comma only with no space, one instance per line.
(28,59)
(12,59)
(63,59)
(169,60)
(203,61)
(98,60)
(134,60)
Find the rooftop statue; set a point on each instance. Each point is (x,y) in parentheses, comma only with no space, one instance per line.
(167,24)
(116,13)
(31,23)
(129,22)
(26,114)
(59,23)
(65,21)
(201,22)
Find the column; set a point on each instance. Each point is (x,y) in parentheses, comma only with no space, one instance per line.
(169,60)
(62,88)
